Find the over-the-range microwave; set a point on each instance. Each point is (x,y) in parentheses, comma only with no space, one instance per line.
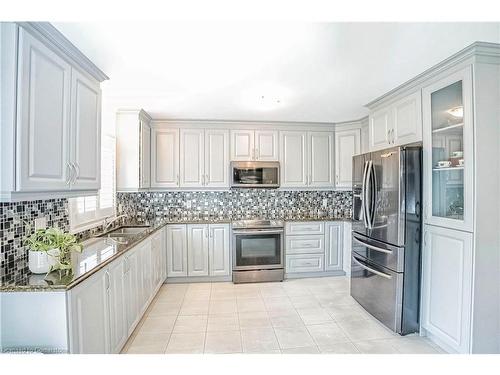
(255,174)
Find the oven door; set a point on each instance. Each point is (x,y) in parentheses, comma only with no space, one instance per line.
(257,249)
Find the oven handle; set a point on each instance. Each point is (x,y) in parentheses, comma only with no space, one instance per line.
(257,231)
(371,269)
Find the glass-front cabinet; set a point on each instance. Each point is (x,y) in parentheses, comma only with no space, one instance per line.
(448,151)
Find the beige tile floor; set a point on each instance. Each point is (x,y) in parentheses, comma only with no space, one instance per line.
(301,316)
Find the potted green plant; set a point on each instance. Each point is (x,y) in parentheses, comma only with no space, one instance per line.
(50,249)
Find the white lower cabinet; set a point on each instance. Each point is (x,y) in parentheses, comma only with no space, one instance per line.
(447,287)
(89,315)
(105,308)
(333,246)
(313,247)
(195,250)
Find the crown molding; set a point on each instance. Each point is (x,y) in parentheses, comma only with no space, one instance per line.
(53,36)
(482,51)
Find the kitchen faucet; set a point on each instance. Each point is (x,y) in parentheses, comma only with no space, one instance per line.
(106,224)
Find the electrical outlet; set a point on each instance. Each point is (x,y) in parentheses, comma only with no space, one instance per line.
(41,223)
(325,202)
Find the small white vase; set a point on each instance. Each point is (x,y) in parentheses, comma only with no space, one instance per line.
(41,261)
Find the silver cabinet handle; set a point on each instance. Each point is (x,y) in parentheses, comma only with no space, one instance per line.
(392,136)
(77,167)
(389,136)
(68,173)
(177,179)
(108,282)
(371,269)
(73,174)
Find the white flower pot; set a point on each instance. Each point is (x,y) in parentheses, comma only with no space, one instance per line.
(41,261)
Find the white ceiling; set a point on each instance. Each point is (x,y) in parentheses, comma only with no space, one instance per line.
(220,70)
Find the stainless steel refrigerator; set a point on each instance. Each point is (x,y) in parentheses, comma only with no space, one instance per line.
(386,235)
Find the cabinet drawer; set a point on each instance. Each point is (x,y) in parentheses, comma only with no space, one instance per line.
(298,228)
(305,263)
(314,244)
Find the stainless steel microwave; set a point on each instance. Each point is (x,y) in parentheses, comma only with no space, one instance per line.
(255,174)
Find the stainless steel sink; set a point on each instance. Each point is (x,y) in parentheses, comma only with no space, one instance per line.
(125,231)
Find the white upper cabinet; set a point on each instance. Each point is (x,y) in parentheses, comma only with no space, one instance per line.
(51,115)
(347,144)
(320,159)
(448,151)
(247,145)
(294,160)
(86,131)
(133,150)
(164,157)
(266,145)
(242,145)
(145,158)
(306,159)
(197,242)
(43,118)
(447,286)
(192,157)
(396,124)
(216,158)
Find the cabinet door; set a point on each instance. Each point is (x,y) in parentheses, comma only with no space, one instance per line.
(176,251)
(85,131)
(145,250)
(216,158)
(320,159)
(333,248)
(448,138)
(133,289)
(408,119)
(380,124)
(43,118)
(192,157)
(197,244)
(156,244)
(219,250)
(242,145)
(117,309)
(145,156)
(165,158)
(347,144)
(89,317)
(297,263)
(293,158)
(266,145)
(447,286)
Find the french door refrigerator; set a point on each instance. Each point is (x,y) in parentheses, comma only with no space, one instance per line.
(386,235)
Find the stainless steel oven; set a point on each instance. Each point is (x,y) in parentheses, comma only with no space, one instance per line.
(255,174)
(257,251)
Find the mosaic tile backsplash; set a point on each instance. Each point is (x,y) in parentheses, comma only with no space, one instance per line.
(17,220)
(237,204)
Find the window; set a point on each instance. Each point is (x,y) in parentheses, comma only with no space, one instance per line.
(86,212)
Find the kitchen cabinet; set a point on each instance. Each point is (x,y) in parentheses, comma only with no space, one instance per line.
(247,145)
(133,288)
(164,157)
(89,312)
(177,258)
(301,263)
(219,250)
(157,258)
(448,131)
(196,250)
(51,109)
(133,150)
(216,158)
(192,173)
(347,144)
(86,131)
(333,246)
(306,159)
(447,286)
(117,310)
(197,244)
(396,124)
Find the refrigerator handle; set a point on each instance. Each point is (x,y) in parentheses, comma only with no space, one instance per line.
(373,191)
(363,194)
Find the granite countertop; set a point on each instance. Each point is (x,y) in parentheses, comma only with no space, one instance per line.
(98,252)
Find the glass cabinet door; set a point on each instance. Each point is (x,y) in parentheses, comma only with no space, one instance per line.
(448,151)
